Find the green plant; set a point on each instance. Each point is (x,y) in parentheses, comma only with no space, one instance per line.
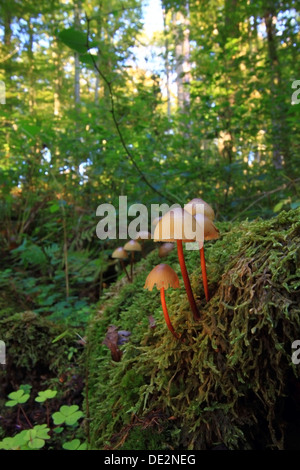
(75,444)
(33,439)
(68,415)
(36,436)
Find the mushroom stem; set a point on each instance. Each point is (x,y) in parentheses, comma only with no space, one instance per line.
(186,280)
(204,276)
(131,265)
(166,314)
(124,269)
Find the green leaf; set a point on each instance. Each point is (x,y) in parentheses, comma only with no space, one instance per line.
(24,398)
(11,403)
(68,410)
(42,431)
(58,418)
(67,414)
(76,40)
(278,206)
(45,395)
(36,443)
(86,59)
(72,445)
(17,397)
(54,208)
(58,430)
(71,420)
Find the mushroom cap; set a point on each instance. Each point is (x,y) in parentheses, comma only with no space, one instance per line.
(162,276)
(143,235)
(119,253)
(210,230)
(192,208)
(165,249)
(132,245)
(177,224)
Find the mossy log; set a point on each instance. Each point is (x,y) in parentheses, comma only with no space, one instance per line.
(231,382)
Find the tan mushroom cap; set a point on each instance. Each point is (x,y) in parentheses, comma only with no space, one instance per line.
(211,232)
(143,235)
(132,245)
(177,224)
(192,208)
(162,276)
(119,253)
(165,249)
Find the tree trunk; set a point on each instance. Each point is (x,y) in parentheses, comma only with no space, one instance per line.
(182,54)
(76,59)
(279,124)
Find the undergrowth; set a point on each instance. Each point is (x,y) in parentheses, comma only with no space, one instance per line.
(229,381)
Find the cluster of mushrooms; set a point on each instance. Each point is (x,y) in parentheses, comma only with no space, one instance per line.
(166,230)
(137,245)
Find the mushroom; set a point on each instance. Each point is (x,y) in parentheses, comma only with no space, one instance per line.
(132,246)
(193,207)
(172,227)
(163,277)
(121,254)
(165,249)
(204,216)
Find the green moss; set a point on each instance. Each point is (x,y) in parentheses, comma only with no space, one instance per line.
(228,381)
(31,355)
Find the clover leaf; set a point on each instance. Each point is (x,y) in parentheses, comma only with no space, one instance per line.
(67,414)
(45,395)
(36,436)
(16,398)
(74,445)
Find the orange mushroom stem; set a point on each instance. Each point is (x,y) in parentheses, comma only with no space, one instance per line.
(186,281)
(166,314)
(163,277)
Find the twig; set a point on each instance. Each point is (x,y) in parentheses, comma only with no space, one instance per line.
(121,137)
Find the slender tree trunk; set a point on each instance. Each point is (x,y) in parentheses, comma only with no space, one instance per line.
(182,53)
(31,68)
(7,74)
(76,58)
(57,79)
(167,65)
(279,124)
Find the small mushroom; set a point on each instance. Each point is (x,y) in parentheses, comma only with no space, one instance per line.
(121,254)
(194,207)
(165,249)
(163,277)
(172,227)
(132,246)
(204,214)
